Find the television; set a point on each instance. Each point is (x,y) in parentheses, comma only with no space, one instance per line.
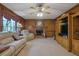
(64,27)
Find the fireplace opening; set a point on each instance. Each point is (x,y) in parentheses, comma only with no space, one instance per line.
(39,32)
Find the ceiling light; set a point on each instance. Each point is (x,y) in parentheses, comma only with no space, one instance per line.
(40,14)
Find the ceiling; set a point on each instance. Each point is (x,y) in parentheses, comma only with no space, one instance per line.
(24,9)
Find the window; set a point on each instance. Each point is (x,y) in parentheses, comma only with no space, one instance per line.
(5,24)
(8,25)
(12,26)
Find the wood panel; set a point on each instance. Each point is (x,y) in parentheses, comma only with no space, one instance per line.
(0,18)
(75,35)
(49,27)
(31,25)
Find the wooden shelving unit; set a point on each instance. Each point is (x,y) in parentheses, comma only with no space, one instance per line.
(71,43)
(64,40)
(75,33)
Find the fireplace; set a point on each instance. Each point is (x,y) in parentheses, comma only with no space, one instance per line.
(39,28)
(39,32)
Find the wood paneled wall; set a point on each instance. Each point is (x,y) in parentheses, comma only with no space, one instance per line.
(30,25)
(1,18)
(48,26)
(4,11)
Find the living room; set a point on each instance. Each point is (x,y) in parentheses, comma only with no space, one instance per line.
(39,29)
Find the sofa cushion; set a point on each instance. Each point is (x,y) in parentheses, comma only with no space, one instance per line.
(3,48)
(30,37)
(4,35)
(18,43)
(6,40)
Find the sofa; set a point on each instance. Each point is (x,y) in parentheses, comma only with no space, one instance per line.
(30,37)
(14,46)
(27,35)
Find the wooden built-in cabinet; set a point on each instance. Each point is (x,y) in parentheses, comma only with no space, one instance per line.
(64,24)
(75,33)
(71,40)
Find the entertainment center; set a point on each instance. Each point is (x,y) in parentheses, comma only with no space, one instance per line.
(67,32)
(63,31)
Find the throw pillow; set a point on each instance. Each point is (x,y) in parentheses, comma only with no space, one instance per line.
(15,39)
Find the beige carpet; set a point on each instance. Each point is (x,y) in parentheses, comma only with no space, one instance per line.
(44,47)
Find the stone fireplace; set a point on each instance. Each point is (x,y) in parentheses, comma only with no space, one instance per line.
(39,28)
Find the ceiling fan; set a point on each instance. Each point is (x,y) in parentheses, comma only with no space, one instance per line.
(41,7)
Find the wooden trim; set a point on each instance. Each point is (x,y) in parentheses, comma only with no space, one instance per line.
(68,10)
(75,14)
(63,16)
